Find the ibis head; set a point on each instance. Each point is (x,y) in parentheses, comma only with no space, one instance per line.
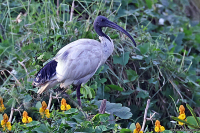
(102,21)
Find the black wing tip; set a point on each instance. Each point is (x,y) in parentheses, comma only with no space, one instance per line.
(46,73)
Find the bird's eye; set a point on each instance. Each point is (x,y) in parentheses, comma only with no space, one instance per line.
(102,20)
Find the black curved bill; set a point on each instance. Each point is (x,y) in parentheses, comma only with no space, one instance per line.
(117,27)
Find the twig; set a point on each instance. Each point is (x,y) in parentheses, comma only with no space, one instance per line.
(151,117)
(72,11)
(145,114)
(58,8)
(13,76)
(21,63)
(50,99)
(11,114)
(102,107)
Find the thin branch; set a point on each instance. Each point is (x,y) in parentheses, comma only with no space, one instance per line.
(11,114)
(50,99)
(145,114)
(21,63)
(13,76)
(72,11)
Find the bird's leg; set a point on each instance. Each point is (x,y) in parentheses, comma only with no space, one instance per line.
(78,94)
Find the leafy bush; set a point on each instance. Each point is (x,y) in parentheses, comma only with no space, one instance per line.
(163,67)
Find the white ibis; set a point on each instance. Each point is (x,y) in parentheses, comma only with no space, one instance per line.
(78,61)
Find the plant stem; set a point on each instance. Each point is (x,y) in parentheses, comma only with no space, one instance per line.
(145,114)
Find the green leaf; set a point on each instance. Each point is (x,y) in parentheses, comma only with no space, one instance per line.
(87,92)
(116,109)
(185,122)
(149,3)
(33,123)
(79,117)
(197,38)
(100,129)
(132,126)
(107,89)
(132,75)
(123,130)
(122,60)
(42,129)
(142,93)
(27,98)
(104,117)
(71,111)
(115,87)
(194,115)
(187,31)
(127,92)
(144,48)
(10,101)
(38,105)
(165,3)
(191,120)
(1,117)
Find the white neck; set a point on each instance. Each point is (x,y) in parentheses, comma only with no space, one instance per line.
(107,48)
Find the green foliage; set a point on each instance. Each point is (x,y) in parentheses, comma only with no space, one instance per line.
(165,62)
(116,109)
(192,121)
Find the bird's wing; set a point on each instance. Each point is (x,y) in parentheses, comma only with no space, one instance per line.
(78,61)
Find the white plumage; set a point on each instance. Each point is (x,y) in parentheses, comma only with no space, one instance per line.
(78,61)
(84,57)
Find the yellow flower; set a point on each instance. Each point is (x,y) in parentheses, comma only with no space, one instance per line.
(63,101)
(156,129)
(1,100)
(157,123)
(68,107)
(48,115)
(138,128)
(5,117)
(25,114)
(5,123)
(43,110)
(44,105)
(180,123)
(9,126)
(135,131)
(62,107)
(2,108)
(182,109)
(162,128)
(46,111)
(24,120)
(182,116)
(30,119)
